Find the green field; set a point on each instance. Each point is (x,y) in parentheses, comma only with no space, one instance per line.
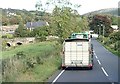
(33,62)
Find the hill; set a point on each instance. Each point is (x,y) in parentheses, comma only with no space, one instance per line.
(14,16)
(110,11)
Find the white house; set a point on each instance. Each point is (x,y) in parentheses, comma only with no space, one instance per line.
(115,27)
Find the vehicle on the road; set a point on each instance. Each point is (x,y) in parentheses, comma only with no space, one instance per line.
(83,35)
(77,51)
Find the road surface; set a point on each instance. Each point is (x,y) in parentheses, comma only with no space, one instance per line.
(105,70)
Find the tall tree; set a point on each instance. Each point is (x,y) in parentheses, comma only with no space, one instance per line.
(21,31)
(99,22)
(65,19)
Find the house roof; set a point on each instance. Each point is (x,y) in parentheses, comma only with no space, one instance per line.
(36,24)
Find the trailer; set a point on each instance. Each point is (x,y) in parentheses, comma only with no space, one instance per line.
(77,52)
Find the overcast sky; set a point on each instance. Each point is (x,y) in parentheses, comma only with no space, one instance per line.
(86,5)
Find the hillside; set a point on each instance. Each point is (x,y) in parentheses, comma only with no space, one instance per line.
(14,16)
(111,11)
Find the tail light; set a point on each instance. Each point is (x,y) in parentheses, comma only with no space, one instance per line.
(90,65)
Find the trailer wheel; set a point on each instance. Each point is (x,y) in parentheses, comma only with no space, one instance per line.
(63,67)
(91,67)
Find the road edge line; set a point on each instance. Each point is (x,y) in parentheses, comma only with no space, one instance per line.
(58,76)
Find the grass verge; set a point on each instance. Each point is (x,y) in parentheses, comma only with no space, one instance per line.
(31,63)
(111,50)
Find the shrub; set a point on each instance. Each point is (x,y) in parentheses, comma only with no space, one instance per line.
(115,36)
(4,42)
(100,38)
(40,39)
(8,36)
(107,41)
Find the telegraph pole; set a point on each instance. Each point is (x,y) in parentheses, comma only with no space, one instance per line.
(99,31)
(103,32)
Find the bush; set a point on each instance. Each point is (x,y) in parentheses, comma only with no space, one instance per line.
(20,54)
(100,38)
(107,41)
(4,42)
(117,46)
(115,36)
(40,39)
(8,36)
(4,36)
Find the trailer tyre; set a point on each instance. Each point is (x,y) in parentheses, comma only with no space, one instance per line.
(63,67)
(91,67)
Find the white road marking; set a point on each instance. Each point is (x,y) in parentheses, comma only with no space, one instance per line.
(104,71)
(95,54)
(96,57)
(99,62)
(58,76)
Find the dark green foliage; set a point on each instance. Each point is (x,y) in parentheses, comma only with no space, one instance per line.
(112,42)
(115,39)
(20,55)
(100,22)
(114,20)
(21,30)
(5,20)
(40,33)
(39,60)
(115,36)
(66,21)
(4,36)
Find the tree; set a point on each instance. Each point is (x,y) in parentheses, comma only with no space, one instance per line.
(13,20)
(5,21)
(114,20)
(21,31)
(119,23)
(64,19)
(99,22)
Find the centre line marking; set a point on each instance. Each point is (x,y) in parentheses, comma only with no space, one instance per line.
(99,62)
(96,56)
(58,76)
(104,71)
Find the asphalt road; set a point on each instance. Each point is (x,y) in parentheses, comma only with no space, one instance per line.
(105,70)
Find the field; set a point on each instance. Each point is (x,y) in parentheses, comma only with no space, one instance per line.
(31,63)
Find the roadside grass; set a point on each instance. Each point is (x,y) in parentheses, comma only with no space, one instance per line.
(31,63)
(117,53)
(50,66)
(32,49)
(41,73)
(113,51)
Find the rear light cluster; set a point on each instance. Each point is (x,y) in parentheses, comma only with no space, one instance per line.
(90,65)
